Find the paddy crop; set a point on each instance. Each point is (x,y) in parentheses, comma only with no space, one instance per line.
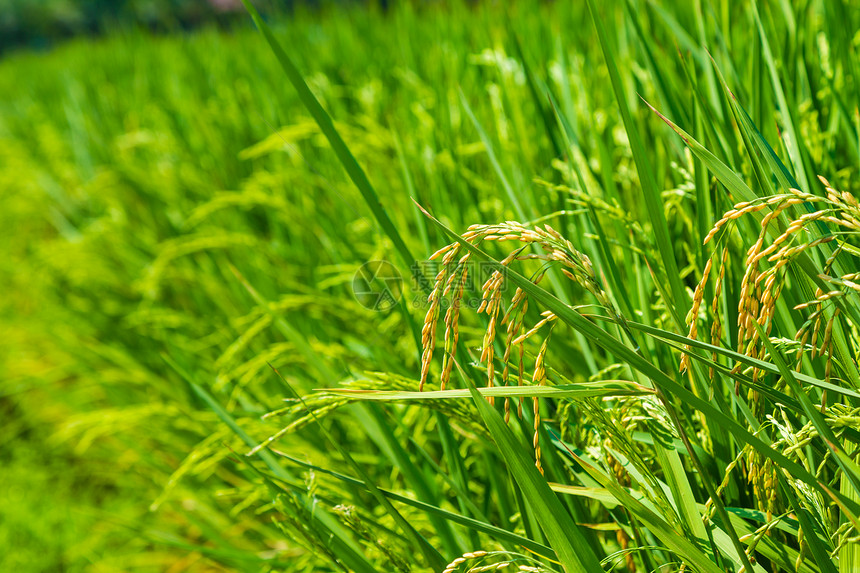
(530,288)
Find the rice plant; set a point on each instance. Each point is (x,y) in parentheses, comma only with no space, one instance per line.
(619,328)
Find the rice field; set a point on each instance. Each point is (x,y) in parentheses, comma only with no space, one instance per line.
(444,287)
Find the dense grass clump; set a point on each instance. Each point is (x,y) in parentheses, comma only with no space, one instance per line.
(543,287)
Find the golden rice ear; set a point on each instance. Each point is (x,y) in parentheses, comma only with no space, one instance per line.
(539,378)
(514,318)
(452,325)
(575,265)
(761,285)
(428,330)
(693,316)
(492,300)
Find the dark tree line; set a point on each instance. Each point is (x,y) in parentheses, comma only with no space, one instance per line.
(42,23)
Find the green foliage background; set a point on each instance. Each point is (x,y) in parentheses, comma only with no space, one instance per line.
(175,228)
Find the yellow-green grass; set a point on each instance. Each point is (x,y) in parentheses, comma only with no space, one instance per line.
(182,229)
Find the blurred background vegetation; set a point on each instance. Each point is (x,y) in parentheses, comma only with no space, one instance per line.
(43,23)
(174,227)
